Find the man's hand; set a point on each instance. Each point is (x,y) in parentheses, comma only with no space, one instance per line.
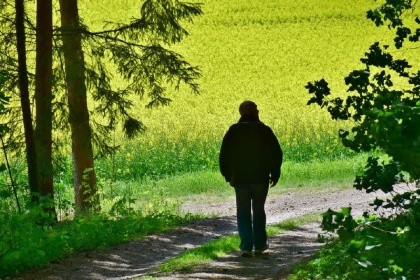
(272,183)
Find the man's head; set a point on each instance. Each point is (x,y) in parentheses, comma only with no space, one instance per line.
(248,108)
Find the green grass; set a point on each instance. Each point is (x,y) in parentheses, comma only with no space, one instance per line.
(220,247)
(205,180)
(193,186)
(159,194)
(167,191)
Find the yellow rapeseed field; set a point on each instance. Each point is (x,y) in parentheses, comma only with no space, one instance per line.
(261,50)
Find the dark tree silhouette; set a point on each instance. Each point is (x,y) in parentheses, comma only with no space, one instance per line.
(24,98)
(43,96)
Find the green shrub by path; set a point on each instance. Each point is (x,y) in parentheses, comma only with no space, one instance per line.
(30,240)
(25,245)
(380,249)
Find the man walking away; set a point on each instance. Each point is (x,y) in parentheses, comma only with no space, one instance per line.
(250,160)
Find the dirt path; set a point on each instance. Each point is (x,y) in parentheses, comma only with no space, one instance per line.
(140,258)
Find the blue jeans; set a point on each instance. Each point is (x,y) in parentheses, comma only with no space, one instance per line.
(251,226)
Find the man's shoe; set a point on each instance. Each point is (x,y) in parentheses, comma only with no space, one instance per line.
(259,252)
(246,254)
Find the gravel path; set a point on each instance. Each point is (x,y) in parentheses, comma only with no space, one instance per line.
(136,259)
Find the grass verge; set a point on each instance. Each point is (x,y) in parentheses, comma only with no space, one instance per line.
(337,174)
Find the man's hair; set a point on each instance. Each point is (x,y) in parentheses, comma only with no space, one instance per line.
(247,108)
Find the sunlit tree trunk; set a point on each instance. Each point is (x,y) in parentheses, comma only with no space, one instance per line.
(83,169)
(24,99)
(43,97)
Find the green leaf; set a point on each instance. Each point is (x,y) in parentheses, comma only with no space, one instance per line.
(4,194)
(364,264)
(370,247)
(346,211)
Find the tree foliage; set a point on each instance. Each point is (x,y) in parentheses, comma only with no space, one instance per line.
(385,114)
(137,53)
(383,103)
(137,50)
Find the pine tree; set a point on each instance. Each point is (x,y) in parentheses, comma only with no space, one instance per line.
(82,63)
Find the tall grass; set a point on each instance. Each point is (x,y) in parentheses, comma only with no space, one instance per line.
(211,183)
(137,161)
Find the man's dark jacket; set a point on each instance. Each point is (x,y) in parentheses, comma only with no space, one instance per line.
(250,153)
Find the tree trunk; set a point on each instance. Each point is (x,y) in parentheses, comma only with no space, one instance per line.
(24,100)
(86,197)
(43,96)
(43,100)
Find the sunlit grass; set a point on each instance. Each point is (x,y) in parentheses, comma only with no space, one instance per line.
(210,183)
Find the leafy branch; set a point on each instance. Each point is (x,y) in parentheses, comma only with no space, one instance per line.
(385,118)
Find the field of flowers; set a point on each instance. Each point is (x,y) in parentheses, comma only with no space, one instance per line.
(262,50)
